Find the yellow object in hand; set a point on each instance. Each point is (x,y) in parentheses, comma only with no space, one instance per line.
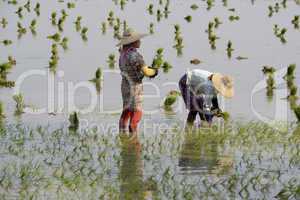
(149,71)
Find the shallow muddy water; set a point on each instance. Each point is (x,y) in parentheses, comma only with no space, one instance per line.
(41,159)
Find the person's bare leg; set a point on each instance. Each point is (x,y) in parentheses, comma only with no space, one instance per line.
(190,120)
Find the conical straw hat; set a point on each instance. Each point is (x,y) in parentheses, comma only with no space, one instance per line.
(130,36)
(223,84)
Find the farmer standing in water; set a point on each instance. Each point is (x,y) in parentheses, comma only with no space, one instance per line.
(199,89)
(133,70)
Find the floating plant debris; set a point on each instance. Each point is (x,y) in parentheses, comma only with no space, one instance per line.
(195,61)
(241,58)
(194,7)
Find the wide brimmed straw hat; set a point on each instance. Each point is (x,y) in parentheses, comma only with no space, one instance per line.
(130,36)
(223,84)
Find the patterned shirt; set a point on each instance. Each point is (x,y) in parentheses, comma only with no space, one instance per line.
(130,64)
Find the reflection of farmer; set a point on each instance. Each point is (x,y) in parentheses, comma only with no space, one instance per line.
(199,89)
(133,70)
(200,152)
(131,171)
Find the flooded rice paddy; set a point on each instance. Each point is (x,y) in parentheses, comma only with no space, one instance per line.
(65,52)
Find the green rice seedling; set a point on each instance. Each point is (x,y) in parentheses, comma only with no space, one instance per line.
(27,6)
(225,3)
(117,30)
(296,21)
(234,18)
(209,4)
(194,7)
(2,115)
(6,84)
(37,9)
(281,35)
(19,100)
(297,112)
(271,11)
(166,11)
(151,28)
(64,43)
(150,9)
(83,33)
(111,61)
(5,67)
(276,7)
(217,22)
(225,116)
(158,59)
(188,18)
(293,91)
(11,60)
(195,61)
(111,18)
(103,27)
(4,22)
(283,3)
(231,9)
(74,121)
(6,42)
(125,26)
(71,5)
(276,29)
(78,23)
(53,18)
(122,4)
(290,74)
(166,67)
(158,15)
(60,24)
(64,14)
(84,30)
(19,12)
(268,70)
(170,99)
(32,26)
(212,40)
(21,30)
(229,49)
(97,80)
(54,58)
(55,37)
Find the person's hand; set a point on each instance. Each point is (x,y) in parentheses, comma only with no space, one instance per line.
(217,112)
(150,71)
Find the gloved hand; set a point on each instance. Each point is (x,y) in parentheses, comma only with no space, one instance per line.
(150,71)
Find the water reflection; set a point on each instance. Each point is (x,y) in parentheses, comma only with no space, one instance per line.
(200,154)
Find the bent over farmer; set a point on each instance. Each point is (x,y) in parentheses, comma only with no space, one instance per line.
(199,89)
(133,70)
